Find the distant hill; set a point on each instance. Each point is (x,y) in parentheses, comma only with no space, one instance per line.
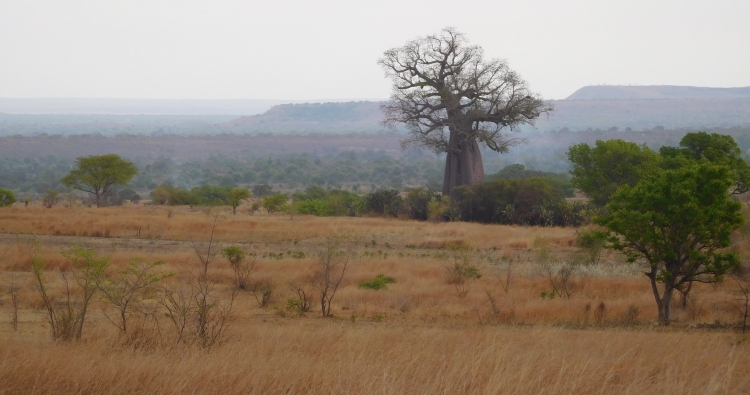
(609,108)
(363,116)
(89,106)
(570,114)
(616,92)
(647,114)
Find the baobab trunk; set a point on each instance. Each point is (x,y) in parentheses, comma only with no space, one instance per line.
(463,165)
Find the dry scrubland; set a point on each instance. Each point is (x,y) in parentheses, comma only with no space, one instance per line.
(421,335)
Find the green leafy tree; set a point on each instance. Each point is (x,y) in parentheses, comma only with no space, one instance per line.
(714,148)
(97,173)
(318,207)
(7,197)
(274,203)
(678,222)
(385,201)
(210,195)
(236,196)
(600,170)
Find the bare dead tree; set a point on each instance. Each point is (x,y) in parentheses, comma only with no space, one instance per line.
(451,100)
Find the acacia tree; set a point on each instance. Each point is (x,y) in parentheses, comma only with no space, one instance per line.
(236,196)
(95,174)
(678,222)
(452,100)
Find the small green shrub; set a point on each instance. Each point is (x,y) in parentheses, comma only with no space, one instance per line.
(592,243)
(294,304)
(7,197)
(379,282)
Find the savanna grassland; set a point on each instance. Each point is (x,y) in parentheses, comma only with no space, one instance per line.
(543,316)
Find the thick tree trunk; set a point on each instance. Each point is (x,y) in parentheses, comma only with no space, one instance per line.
(665,307)
(463,165)
(684,295)
(664,303)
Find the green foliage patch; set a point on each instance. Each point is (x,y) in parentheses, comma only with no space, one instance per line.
(379,282)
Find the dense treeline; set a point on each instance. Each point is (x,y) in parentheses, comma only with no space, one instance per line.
(514,196)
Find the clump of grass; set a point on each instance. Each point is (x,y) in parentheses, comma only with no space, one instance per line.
(379,282)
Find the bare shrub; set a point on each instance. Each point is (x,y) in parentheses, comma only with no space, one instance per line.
(460,269)
(67,315)
(197,313)
(560,278)
(206,252)
(179,303)
(303,299)
(212,315)
(496,313)
(242,269)
(333,260)
(127,290)
(262,290)
(11,289)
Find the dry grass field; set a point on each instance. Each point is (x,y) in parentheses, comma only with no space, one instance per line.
(500,333)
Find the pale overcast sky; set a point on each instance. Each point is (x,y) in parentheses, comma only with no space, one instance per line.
(311,50)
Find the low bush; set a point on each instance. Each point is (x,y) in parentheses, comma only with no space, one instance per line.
(379,282)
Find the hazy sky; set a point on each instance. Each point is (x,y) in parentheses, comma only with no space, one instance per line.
(307,50)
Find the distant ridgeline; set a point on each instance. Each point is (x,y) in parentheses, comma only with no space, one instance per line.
(314,118)
(590,108)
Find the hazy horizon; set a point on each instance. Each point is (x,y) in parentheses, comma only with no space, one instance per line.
(328,49)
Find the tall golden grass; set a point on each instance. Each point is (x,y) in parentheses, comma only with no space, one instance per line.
(418,336)
(184,223)
(331,357)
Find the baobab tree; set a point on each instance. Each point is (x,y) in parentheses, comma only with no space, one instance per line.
(452,100)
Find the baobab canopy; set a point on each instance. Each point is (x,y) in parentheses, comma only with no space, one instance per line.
(451,100)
